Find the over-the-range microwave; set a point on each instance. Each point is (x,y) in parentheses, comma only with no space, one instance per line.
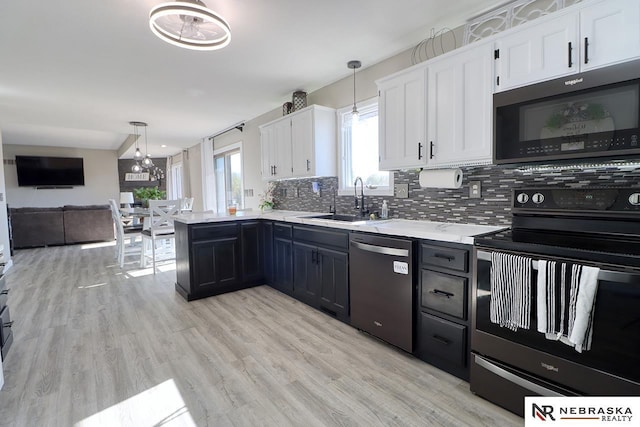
(591,114)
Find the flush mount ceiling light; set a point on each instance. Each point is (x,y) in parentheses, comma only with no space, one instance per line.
(354,65)
(189,24)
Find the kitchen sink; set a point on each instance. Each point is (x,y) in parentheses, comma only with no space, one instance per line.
(339,217)
(346,218)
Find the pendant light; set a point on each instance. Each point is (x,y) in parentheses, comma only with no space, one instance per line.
(146,162)
(137,156)
(354,65)
(189,24)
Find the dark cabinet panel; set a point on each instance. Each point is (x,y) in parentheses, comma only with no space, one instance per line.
(444,293)
(216,263)
(218,257)
(443,344)
(251,249)
(449,258)
(283,265)
(267,251)
(334,282)
(306,273)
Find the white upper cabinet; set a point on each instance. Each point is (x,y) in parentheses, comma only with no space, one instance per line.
(610,33)
(460,107)
(581,38)
(538,52)
(299,144)
(402,120)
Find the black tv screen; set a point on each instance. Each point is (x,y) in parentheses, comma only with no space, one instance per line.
(37,171)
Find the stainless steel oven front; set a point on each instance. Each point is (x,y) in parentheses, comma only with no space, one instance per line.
(508,365)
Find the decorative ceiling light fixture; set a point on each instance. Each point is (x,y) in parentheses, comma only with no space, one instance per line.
(189,24)
(354,65)
(146,162)
(137,156)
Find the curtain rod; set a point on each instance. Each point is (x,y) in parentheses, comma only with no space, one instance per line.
(239,126)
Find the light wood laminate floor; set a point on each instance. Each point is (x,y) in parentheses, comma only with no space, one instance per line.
(99,346)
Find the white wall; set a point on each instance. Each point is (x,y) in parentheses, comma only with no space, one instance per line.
(4,228)
(336,95)
(100,178)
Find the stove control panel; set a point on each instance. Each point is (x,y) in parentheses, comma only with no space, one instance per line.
(578,199)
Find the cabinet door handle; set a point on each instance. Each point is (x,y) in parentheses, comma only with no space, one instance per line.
(419,150)
(431,149)
(7,325)
(442,293)
(275,169)
(5,292)
(440,339)
(442,256)
(586,50)
(570,51)
(313,257)
(308,165)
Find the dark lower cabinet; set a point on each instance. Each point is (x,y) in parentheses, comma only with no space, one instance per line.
(267,251)
(443,307)
(321,269)
(215,258)
(251,251)
(282,258)
(6,333)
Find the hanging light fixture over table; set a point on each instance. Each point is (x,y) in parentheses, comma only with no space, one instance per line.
(189,24)
(137,156)
(354,65)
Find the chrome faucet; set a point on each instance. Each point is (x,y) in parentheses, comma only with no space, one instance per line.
(361,206)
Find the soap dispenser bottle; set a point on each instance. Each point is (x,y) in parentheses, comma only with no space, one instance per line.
(384,214)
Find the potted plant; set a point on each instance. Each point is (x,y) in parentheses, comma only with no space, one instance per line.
(266,199)
(144,194)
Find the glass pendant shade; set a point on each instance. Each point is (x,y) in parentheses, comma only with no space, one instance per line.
(136,168)
(138,154)
(147,162)
(354,65)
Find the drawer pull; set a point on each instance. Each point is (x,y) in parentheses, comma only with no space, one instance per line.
(440,339)
(442,256)
(442,293)
(7,325)
(5,292)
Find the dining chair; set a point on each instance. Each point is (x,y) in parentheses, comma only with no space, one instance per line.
(121,236)
(160,229)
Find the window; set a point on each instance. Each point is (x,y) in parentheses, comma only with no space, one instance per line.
(228,171)
(176,181)
(359,151)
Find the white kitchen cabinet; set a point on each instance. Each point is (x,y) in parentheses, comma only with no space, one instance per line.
(537,53)
(299,144)
(584,37)
(459,119)
(609,33)
(402,119)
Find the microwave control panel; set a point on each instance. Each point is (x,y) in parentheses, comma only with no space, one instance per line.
(595,142)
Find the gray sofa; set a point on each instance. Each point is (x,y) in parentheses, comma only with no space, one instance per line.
(34,227)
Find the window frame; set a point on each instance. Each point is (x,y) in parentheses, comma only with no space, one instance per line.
(344,152)
(225,151)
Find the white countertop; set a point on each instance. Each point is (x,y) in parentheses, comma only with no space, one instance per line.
(441,231)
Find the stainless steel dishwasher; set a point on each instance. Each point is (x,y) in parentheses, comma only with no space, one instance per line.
(382,287)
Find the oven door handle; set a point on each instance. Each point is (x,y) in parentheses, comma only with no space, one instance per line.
(607,275)
(502,373)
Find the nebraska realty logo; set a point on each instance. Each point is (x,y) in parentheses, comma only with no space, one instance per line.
(582,411)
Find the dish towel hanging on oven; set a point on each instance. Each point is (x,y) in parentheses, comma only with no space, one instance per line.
(566,297)
(510,290)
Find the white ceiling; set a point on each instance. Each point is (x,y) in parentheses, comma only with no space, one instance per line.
(73,73)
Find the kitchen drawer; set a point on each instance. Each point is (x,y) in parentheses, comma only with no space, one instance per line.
(211,232)
(444,293)
(282,230)
(440,256)
(333,238)
(443,340)
(5,325)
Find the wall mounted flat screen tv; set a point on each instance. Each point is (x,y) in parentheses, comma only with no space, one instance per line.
(39,171)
